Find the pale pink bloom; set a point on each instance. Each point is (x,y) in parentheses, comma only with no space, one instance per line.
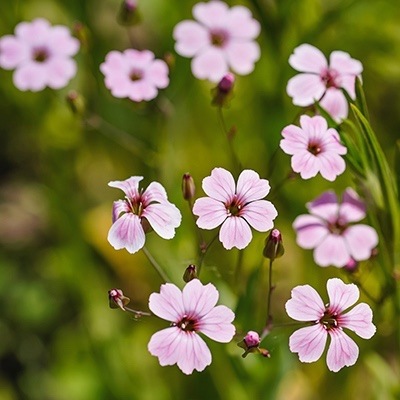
(314,148)
(330,231)
(329,320)
(220,39)
(134,74)
(40,54)
(235,206)
(323,82)
(190,312)
(138,212)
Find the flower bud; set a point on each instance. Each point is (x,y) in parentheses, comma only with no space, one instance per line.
(128,14)
(188,187)
(250,343)
(81,32)
(75,102)
(274,245)
(117,299)
(224,90)
(190,273)
(351,265)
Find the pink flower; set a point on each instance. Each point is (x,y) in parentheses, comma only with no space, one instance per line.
(40,54)
(190,311)
(314,147)
(329,320)
(220,39)
(328,230)
(134,74)
(323,82)
(236,207)
(139,212)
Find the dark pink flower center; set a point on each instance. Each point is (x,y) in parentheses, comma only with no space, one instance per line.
(235,206)
(337,227)
(136,75)
(40,54)
(329,320)
(187,324)
(219,37)
(330,78)
(136,206)
(314,148)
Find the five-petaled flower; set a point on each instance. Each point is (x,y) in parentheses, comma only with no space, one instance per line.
(190,311)
(236,207)
(323,82)
(328,230)
(220,39)
(40,54)
(134,74)
(329,320)
(140,211)
(314,148)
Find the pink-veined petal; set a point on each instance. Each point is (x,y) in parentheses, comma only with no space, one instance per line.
(260,215)
(332,251)
(306,164)
(335,104)
(168,304)
(127,232)
(361,240)
(119,207)
(129,186)
(191,38)
(199,299)
(210,64)
(217,324)
(305,89)
(295,140)
(163,218)
(331,165)
(344,63)
(342,351)
(154,192)
(341,295)
(220,185)
(250,187)
(211,213)
(310,231)
(235,232)
(348,83)
(359,320)
(307,58)
(165,345)
(305,304)
(242,56)
(308,342)
(352,207)
(325,206)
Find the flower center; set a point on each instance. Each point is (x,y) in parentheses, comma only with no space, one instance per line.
(218,37)
(186,324)
(314,148)
(234,207)
(136,75)
(40,54)
(330,78)
(136,206)
(329,320)
(337,227)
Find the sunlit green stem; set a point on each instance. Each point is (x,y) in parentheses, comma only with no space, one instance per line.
(268,323)
(156,266)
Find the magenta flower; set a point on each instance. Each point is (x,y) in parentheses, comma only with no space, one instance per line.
(140,211)
(40,54)
(220,39)
(190,311)
(314,148)
(323,82)
(235,207)
(329,320)
(134,74)
(328,230)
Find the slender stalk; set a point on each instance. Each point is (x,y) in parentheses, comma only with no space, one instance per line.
(203,254)
(138,314)
(156,266)
(268,323)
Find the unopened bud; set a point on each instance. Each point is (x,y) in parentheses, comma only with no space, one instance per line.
(250,343)
(190,273)
(75,102)
(224,90)
(274,245)
(188,187)
(117,299)
(128,14)
(169,58)
(81,32)
(351,265)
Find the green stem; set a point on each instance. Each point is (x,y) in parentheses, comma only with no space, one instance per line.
(138,314)
(203,254)
(156,266)
(268,323)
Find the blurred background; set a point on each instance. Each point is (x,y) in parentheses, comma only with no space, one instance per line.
(58,337)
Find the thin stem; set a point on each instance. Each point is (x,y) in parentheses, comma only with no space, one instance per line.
(268,323)
(198,230)
(156,266)
(203,254)
(138,314)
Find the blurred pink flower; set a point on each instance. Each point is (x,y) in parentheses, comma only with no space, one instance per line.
(314,148)
(329,232)
(190,311)
(220,39)
(40,54)
(329,320)
(236,207)
(134,74)
(140,211)
(320,81)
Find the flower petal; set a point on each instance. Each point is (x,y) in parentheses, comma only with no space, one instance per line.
(191,38)
(199,299)
(242,56)
(210,64)
(341,295)
(305,304)
(342,351)
(211,213)
(217,324)
(220,185)
(305,163)
(305,89)
(12,52)
(331,165)
(307,58)
(119,207)
(344,63)
(250,187)
(127,232)
(310,231)
(61,42)
(332,251)
(260,215)
(168,304)
(241,24)
(295,140)
(163,218)
(155,192)
(359,320)
(352,207)
(308,342)
(235,232)
(211,14)
(129,186)
(361,240)
(325,206)
(157,74)
(30,76)
(60,71)
(335,104)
